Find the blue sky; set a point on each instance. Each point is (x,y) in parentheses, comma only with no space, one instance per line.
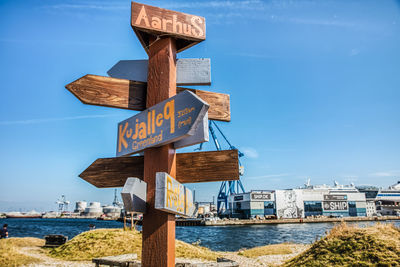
(314,91)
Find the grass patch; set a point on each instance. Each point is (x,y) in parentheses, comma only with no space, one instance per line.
(99,243)
(185,250)
(110,242)
(9,251)
(276,249)
(377,245)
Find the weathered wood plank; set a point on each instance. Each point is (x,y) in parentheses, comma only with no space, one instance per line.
(109,92)
(210,166)
(189,71)
(196,167)
(219,103)
(149,21)
(126,94)
(193,71)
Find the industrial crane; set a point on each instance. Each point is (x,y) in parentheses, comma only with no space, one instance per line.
(227,187)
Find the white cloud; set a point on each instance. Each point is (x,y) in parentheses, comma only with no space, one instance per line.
(44,120)
(245,4)
(253,55)
(354,52)
(350,178)
(218,12)
(117,6)
(250,152)
(269,176)
(390,173)
(92,6)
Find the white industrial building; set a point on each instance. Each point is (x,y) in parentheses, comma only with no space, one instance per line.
(321,200)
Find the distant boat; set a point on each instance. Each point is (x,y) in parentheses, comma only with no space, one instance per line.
(16,214)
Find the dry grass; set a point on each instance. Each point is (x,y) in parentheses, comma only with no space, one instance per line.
(353,246)
(185,250)
(9,251)
(99,243)
(276,249)
(110,242)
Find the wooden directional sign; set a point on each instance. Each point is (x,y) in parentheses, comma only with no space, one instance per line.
(109,92)
(127,94)
(209,166)
(134,195)
(148,21)
(189,71)
(166,122)
(172,196)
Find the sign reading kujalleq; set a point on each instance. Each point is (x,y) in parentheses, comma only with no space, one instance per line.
(171,196)
(164,123)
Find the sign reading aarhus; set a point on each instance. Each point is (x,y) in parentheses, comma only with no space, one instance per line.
(172,196)
(159,20)
(166,122)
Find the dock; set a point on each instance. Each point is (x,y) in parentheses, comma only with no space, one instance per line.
(301,220)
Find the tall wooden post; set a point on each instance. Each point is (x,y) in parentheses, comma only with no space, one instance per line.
(158,226)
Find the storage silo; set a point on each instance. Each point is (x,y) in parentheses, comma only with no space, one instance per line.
(94,210)
(80,206)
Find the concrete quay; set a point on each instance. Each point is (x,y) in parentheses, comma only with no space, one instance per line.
(305,220)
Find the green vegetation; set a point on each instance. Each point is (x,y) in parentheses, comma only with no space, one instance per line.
(276,249)
(109,242)
(377,245)
(10,254)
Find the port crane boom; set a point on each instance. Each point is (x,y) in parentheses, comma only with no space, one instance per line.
(227,187)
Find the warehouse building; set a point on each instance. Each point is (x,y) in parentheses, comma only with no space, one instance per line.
(322,200)
(252,204)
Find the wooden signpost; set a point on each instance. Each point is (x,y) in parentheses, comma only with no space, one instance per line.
(167,121)
(189,71)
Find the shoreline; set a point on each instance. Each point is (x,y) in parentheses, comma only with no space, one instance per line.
(305,220)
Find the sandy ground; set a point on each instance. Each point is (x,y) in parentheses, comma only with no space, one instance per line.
(268,260)
(48,261)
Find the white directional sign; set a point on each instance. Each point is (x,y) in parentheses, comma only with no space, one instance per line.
(134,195)
(189,71)
(167,122)
(172,196)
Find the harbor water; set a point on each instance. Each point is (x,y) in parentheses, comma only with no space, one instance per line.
(219,238)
